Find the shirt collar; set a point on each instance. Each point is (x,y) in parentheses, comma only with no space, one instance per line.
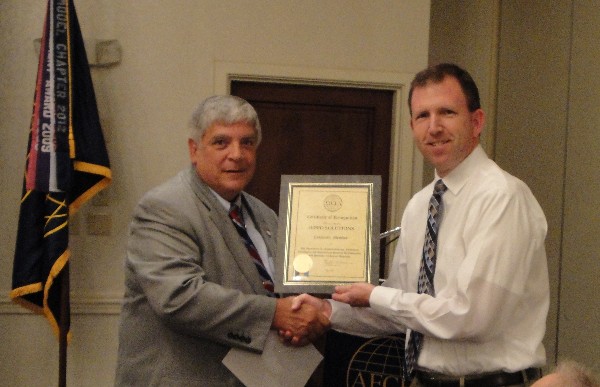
(458,177)
(226,203)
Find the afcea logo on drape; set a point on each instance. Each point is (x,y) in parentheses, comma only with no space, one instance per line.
(378,362)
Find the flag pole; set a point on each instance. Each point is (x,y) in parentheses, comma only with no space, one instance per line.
(63,327)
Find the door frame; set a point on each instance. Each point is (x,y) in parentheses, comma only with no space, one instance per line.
(406,164)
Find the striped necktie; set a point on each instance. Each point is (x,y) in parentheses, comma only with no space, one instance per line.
(427,270)
(236,215)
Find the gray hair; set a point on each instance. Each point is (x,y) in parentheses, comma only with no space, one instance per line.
(225,110)
(576,374)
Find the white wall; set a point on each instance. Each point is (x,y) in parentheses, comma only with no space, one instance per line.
(169,52)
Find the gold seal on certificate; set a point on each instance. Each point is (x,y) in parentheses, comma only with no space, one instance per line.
(302,265)
(328,232)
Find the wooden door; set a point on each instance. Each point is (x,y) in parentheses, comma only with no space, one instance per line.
(319,130)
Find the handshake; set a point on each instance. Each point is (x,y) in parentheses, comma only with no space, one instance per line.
(304,318)
(301,319)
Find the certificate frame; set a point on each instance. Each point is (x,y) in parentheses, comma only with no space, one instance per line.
(328,232)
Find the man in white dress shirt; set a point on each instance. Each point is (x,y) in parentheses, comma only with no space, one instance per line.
(485,324)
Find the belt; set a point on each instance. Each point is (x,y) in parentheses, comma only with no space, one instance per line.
(494,379)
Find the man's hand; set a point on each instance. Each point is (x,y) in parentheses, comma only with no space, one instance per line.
(301,325)
(306,299)
(356,294)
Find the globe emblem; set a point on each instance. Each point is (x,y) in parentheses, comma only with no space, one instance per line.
(378,362)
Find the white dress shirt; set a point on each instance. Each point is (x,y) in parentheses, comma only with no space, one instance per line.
(491,279)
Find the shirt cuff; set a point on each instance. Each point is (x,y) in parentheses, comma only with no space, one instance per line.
(335,307)
(382,298)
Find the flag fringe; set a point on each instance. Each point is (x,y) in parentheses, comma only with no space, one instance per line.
(18,294)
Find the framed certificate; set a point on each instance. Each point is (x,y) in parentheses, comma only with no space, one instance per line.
(328,232)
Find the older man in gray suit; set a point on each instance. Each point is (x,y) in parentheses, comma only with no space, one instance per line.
(192,288)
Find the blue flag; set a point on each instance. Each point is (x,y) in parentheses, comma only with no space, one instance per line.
(67,164)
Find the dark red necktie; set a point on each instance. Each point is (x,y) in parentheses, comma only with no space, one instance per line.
(237,217)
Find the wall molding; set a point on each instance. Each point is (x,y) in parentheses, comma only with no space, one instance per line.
(104,304)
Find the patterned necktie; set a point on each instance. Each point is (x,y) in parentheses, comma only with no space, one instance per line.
(237,217)
(425,284)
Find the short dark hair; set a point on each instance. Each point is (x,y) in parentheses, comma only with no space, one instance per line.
(437,73)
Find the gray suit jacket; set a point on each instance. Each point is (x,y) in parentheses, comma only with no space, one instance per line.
(191,289)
